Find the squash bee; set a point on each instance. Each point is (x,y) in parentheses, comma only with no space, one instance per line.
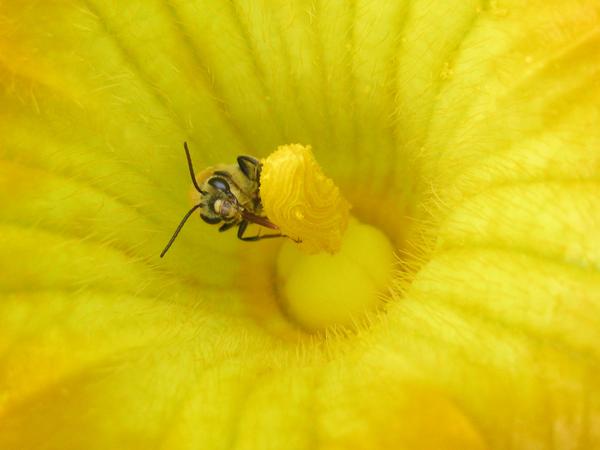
(228,195)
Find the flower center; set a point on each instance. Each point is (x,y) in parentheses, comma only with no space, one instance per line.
(324,290)
(333,271)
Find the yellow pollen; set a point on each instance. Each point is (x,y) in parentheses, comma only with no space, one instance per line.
(342,268)
(303,202)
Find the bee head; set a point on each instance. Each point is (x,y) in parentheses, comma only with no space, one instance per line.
(216,203)
(219,204)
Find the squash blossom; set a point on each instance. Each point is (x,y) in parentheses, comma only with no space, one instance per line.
(441,166)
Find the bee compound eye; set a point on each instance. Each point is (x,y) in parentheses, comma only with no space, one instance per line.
(219,183)
(210,220)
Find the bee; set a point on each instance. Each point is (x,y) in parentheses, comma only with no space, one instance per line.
(228,195)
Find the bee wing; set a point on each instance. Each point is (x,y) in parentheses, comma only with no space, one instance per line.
(249,166)
(259,220)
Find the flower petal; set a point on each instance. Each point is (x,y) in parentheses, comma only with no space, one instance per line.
(466,130)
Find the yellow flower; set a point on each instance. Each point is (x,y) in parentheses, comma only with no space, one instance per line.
(466,132)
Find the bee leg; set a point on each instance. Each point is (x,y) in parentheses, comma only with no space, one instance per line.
(242,229)
(227,226)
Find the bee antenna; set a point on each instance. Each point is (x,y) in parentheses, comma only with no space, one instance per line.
(179,227)
(191,167)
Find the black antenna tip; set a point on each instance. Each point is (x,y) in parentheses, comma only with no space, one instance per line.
(191,169)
